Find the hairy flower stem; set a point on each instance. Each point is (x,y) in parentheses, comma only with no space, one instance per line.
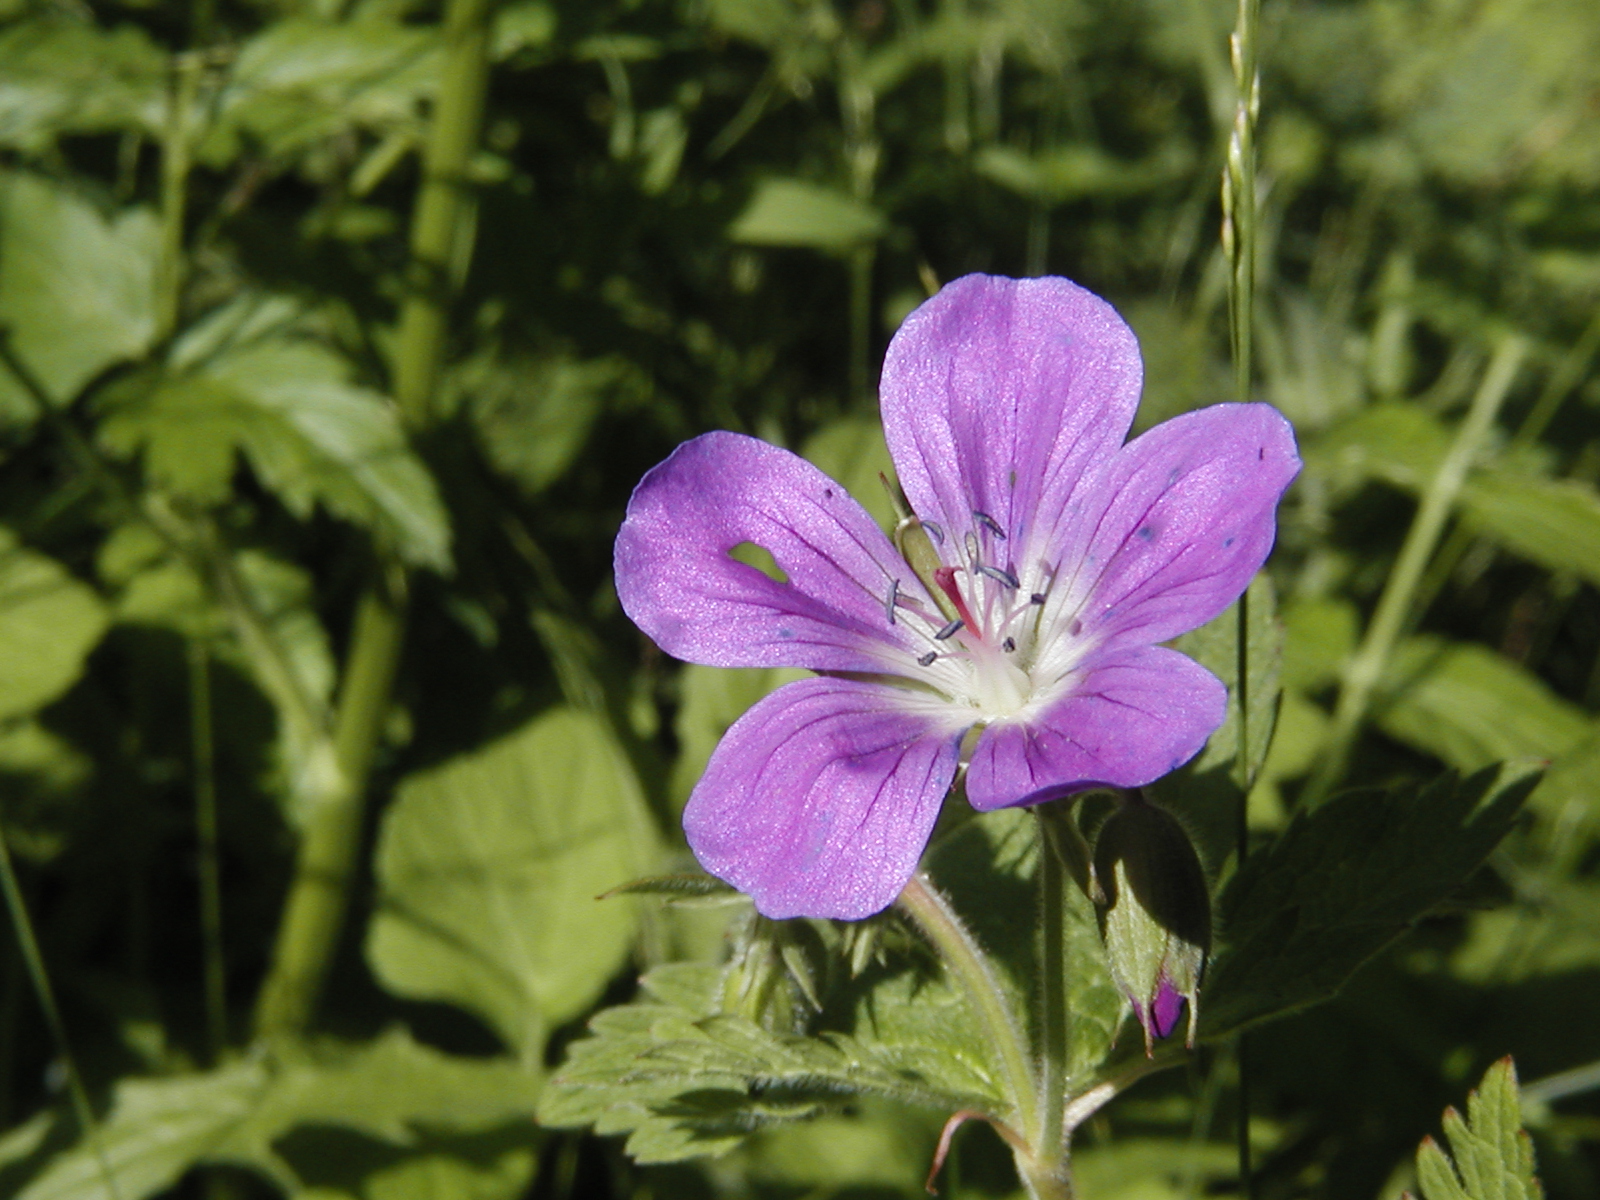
(1050,1140)
(441,239)
(1389,619)
(966,961)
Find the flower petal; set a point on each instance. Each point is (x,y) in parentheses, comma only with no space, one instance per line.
(1000,395)
(677,582)
(820,799)
(1181,520)
(1134,717)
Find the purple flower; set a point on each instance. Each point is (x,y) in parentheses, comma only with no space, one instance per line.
(1031,653)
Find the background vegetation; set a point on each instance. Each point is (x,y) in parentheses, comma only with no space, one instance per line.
(334,336)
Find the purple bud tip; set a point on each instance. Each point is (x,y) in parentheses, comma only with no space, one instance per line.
(1165,1009)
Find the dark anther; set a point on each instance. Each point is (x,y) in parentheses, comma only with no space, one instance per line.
(927,659)
(996,573)
(1036,598)
(989,523)
(894,596)
(949,631)
(1009,645)
(934,532)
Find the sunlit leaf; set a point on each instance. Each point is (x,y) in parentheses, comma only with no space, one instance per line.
(490,870)
(791,212)
(311,435)
(48,624)
(77,290)
(67,75)
(1491,1157)
(386,1089)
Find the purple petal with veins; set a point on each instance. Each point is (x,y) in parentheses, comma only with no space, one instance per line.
(1065,558)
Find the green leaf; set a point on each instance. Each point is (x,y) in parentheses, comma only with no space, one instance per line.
(67,75)
(1343,882)
(684,1081)
(1470,707)
(300,81)
(1064,173)
(1555,523)
(310,434)
(49,622)
(77,291)
(1319,637)
(791,212)
(386,1089)
(1491,1156)
(533,415)
(489,869)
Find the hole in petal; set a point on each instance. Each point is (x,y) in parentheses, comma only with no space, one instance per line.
(759,557)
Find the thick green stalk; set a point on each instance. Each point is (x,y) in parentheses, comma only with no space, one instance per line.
(320,891)
(174,191)
(441,238)
(1394,605)
(441,228)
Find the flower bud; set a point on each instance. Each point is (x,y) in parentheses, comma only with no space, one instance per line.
(1155,914)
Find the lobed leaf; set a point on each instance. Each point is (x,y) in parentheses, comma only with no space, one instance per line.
(1491,1157)
(49,622)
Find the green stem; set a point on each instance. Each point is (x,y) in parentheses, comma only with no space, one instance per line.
(205,819)
(441,227)
(965,959)
(1389,618)
(174,192)
(28,943)
(320,891)
(1049,1140)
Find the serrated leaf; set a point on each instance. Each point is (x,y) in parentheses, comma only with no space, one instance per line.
(77,291)
(312,436)
(490,868)
(1491,1157)
(386,1089)
(791,212)
(49,622)
(67,75)
(1343,882)
(1471,707)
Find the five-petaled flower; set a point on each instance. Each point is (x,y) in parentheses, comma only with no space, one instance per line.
(1030,650)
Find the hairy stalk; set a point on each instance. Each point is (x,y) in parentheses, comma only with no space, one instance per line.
(441,229)
(1395,604)
(965,959)
(1050,1140)
(28,943)
(205,820)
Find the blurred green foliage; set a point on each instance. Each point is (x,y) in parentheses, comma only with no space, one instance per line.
(679,215)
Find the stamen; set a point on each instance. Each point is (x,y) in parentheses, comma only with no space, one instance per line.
(894,596)
(934,532)
(1009,645)
(927,659)
(971,542)
(949,631)
(1003,576)
(989,523)
(1037,598)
